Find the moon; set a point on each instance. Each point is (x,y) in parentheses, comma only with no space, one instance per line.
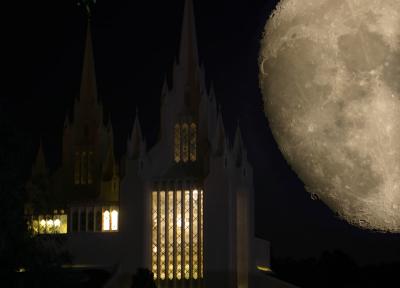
(330,80)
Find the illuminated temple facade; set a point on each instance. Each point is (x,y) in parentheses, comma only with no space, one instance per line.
(182,208)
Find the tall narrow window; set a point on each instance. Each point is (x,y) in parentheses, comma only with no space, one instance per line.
(195,242)
(114,220)
(162,235)
(170,234)
(84,168)
(77,169)
(106,220)
(177,236)
(187,235)
(185,142)
(177,146)
(90,167)
(193,142)
(201,235)
(154,234)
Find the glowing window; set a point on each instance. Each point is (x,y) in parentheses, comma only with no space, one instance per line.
(106,220)
(114,220)
(187,235)
(193,142)
(185,142)
(154,234)
(195,242)
(50,224)
(201,235)
(177,146)
(176,234)
(162,235)
(170,234)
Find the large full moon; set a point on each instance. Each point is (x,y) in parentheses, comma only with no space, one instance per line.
(330,78)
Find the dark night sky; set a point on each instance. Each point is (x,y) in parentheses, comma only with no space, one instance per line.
(135,45)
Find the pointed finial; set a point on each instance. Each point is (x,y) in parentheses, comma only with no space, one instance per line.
(88,5)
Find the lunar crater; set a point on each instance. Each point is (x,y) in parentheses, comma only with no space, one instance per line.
(330,79)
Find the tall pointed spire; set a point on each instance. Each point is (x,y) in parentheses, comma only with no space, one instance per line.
(136,139)
(40,167)
(88,91)
(238,146)
(188,55)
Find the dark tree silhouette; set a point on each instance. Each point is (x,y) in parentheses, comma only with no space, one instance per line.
(143,279)
(19,249)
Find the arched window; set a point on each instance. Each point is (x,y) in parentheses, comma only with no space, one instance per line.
(193,142)
(106,220)
(185,142)
(114,220)
(177,139)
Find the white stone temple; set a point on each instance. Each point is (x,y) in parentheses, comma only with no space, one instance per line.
(183,208)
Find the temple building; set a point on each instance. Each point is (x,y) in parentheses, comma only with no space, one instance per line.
(182,208)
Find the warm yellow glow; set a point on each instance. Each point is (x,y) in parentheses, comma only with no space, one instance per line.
(35,226)
(114,220)
(264,268)
(49,224)
(64,223)
(57,223)
(154,233)
(187,234)
(195,233)
(176,234)
(179,234)
(162,235)
(201,263)
(106,220)
(170,234)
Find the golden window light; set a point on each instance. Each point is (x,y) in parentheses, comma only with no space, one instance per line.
(106,220)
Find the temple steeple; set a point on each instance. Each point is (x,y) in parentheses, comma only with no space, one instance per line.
(40,167)
(188,55)
(88,90)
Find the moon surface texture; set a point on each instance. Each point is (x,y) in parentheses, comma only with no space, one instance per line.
(330,79)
